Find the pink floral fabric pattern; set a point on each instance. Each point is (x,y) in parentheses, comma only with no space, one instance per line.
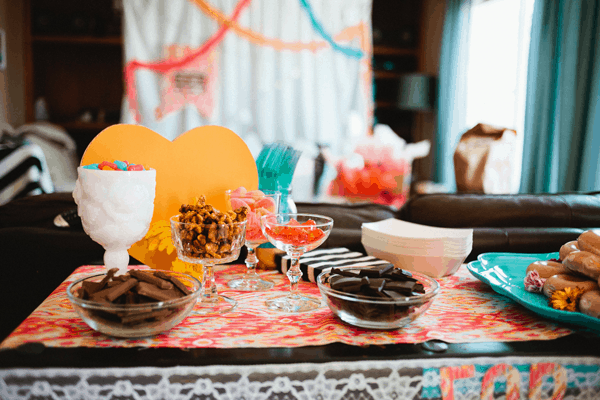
(466,310)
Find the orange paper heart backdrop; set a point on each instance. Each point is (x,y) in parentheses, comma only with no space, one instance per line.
(203,161)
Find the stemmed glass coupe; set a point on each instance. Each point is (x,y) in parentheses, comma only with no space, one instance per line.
(295,234)
(226,241)
(258,203)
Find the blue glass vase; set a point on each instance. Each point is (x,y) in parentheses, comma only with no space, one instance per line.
(286,206)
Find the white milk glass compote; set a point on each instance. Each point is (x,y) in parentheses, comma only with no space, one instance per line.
(229,239)
(295,234)
(258,203)
(116,209)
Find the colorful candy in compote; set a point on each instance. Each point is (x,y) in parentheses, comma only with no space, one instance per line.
(258,204)
(296,233)
(116,165)
(115,208)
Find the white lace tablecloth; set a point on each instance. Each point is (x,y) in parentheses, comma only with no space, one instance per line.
(450,378)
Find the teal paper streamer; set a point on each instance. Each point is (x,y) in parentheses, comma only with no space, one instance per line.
(317,26)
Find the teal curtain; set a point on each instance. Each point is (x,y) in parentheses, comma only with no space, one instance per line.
(562,115)
(451,120)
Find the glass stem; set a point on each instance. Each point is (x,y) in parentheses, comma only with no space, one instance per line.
(294,274)
(210,294)
(251,261)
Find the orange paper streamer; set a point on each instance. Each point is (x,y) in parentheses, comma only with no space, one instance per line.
(258,39)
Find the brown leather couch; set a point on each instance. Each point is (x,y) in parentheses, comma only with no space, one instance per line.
(501,223)
(37,256)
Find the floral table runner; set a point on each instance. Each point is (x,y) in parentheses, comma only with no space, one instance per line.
(465,311)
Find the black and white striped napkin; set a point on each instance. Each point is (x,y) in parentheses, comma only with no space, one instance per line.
(314,262)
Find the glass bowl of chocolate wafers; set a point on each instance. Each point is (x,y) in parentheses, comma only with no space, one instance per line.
(139,303)
(377,297)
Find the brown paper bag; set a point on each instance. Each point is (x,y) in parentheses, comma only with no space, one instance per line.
(484,160)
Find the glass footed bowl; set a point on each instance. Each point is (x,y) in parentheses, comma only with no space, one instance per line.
(377,313)
(103,317)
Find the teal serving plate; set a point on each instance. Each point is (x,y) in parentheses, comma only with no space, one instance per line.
(505,273)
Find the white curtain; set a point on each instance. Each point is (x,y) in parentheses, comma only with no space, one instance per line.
(260,78)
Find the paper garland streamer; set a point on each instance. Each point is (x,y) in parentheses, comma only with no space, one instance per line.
(193,84)
(258,39)
(319,28)
(226,23)
(359,30)
(164,67)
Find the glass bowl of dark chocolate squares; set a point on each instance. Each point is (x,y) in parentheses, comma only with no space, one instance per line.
(377,297)
(139,303)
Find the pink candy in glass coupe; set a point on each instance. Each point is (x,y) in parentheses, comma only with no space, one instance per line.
(258,204)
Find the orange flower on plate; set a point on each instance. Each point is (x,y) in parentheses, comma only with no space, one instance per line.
(566,299)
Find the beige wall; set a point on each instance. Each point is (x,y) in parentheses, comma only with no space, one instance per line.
(12,79)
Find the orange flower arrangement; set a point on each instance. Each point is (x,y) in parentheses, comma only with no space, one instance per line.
(566,299)
(159,239)
(381,183)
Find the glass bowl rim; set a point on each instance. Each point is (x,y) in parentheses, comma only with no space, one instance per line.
(328,223)
(95,305)
(409,300)
(172,220)
(266,192)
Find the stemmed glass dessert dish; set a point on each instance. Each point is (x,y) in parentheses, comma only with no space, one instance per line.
(209,244)
(295,234)
(116,209)
(257,203)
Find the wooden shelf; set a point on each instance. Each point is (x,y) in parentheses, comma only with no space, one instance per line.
(84,126)
(107,40)
(393,51)
(386,75)
(384,104)
(396,53)
(73,70)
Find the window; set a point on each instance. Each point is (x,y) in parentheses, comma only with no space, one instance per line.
(497,67)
